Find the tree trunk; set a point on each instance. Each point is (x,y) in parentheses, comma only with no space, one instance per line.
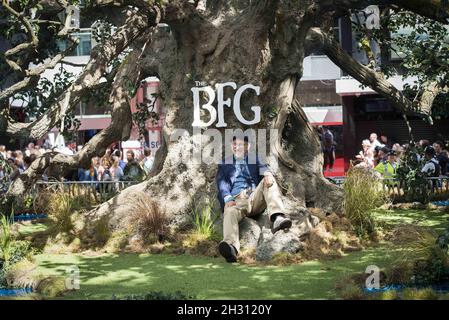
(248,48)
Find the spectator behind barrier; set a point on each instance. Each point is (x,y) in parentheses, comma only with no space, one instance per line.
(431,167)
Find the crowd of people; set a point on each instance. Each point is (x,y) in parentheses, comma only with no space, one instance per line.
(386,157)
(113,166)
(377,153)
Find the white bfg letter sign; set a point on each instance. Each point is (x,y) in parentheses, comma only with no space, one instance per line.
(221,103)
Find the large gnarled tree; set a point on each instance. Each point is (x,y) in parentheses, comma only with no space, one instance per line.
(248,42)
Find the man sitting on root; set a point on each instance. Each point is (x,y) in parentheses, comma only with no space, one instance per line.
(245,189)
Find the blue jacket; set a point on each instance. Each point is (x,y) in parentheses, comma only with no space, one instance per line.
(227,174)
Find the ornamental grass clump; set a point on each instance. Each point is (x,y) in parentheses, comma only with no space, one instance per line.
(6,238)
(61,206)
(363,192)
(203,221)
(11,250)
(148,219)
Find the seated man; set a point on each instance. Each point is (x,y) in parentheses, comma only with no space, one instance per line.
(242,192)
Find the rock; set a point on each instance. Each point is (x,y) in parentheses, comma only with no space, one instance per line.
(281,241)
(256,233)
(249,233)
(303,226)
(263,220)
(314,220)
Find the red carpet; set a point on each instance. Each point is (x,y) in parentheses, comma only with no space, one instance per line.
(338,169)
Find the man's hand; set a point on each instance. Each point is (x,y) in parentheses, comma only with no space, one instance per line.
(230,204)
(268,180)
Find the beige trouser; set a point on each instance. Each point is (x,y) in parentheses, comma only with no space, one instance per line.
(262,198)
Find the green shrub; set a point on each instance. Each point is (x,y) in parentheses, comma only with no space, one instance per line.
(425,260)
(419,294)
(42,201)
(84,197)
(58,198)
(388,295)
(51,286)
(352,292)
(400,273)
(6,238)
(18,250)
(434,267)
(413,181)
(363,192)
(28,201)
(11,250)
(21,275)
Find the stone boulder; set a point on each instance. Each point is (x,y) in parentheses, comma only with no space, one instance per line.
(281,241)
(256,233)
(249,233)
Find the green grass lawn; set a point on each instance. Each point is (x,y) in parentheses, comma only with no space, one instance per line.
(207,278)
(27,228)
(435,219)
(212,278)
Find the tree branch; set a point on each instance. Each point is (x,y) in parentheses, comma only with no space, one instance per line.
(363,74)
(73,64)
(32,76)
(434,9)
(430,92)
(100,58)
(119,128)
(33,40)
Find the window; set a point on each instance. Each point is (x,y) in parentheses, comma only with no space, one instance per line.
(84,47)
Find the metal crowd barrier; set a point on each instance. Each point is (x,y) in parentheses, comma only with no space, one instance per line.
(337,180)
(99,190)
(434,187)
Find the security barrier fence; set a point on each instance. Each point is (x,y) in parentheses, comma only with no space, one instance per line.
(99,190)
(434,188)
